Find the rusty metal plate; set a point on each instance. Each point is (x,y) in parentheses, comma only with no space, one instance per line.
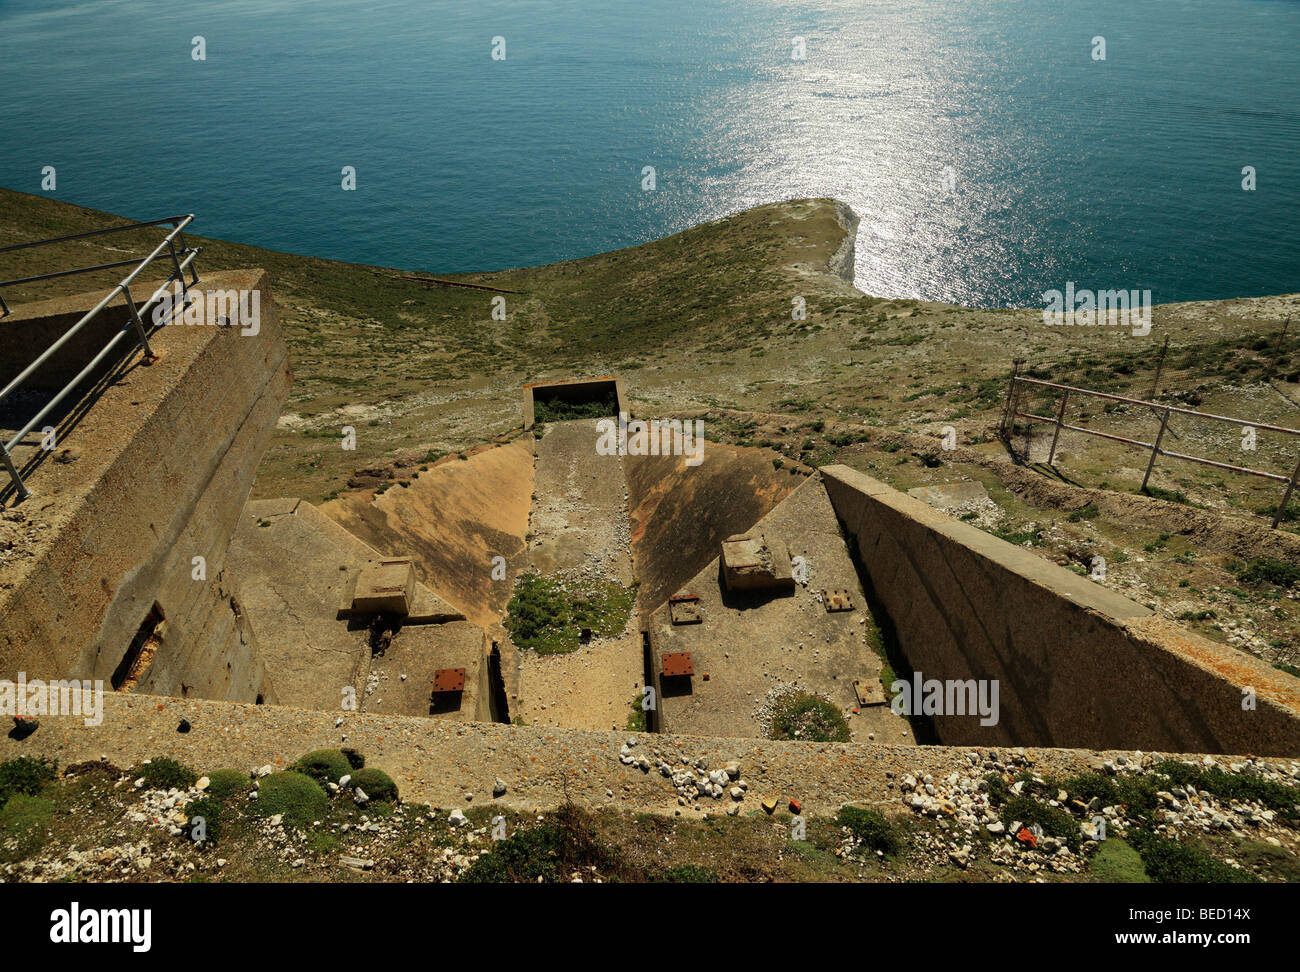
(678,663)
(449,680)
(685,609)
(838,600)
(869,692)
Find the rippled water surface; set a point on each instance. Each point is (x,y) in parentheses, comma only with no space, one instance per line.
(1117,173)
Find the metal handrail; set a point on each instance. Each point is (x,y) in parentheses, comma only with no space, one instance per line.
(1012,411)
(181,261)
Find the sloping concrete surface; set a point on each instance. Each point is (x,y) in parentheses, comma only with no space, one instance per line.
(681,513)
(453,519)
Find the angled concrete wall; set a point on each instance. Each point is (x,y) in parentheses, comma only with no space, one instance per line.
(1077,665)
(164,457)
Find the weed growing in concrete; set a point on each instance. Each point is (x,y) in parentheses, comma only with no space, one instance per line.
(548,615)
(808,718)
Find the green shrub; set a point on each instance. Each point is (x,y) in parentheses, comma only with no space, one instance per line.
(209,811)
(323,765)
(377,784)
(549,852)
(226,784)
(163,773)
(1053,821)
(355,759)
(871,830)
(26,775)
(808,718)
(1116,862)
(1169,862)
(558,410)
(1269,570)
(1278,797)
(298,798)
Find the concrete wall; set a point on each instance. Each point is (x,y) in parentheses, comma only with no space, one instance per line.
(437,761)
(166,460)
(1077,664)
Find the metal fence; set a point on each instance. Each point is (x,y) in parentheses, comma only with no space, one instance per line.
(1012,411)
(181,259)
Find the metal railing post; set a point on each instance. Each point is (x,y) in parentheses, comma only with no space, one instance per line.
(139,324)
(1060,417)
(180,274)
(1286,497)
(1155,448)
(23,491)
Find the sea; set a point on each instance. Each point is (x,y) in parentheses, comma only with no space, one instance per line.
(993,149)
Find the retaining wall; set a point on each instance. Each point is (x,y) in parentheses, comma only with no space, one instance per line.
(163,460)
(1077,664)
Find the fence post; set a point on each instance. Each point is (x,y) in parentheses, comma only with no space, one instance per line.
(1007,420)
(1060,417)
(1286,497)
(1155,448)
(1160,366)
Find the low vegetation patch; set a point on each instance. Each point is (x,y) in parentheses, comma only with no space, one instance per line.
(375,783)
(25,775)
(565,843)
(870,830)
(323,765)
(549,615)
(297,798)
(164,773)
(808,718)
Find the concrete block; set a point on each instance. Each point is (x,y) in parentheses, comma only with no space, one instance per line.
(385,587)
(756,563)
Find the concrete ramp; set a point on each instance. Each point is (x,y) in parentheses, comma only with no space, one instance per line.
(453,519)
(681,513)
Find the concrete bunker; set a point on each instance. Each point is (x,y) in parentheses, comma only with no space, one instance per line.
(575,398)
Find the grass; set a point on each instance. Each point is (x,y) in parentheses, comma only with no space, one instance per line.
(808,718)
(548,615)
(1260,571)
(1116,862)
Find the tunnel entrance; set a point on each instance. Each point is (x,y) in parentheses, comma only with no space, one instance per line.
(577,399)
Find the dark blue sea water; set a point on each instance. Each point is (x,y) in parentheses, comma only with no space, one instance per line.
(1125,172)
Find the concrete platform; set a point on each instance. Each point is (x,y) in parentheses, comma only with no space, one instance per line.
(749,643)
(416,652)
(294,566)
